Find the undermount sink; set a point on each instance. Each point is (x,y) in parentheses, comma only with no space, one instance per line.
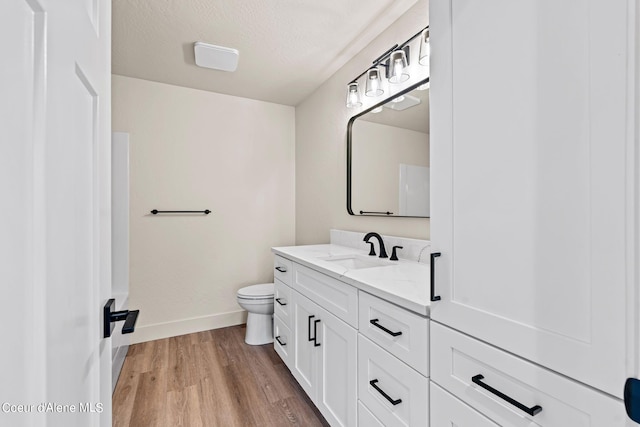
(354,262)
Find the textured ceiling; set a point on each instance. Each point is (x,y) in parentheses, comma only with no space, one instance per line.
(287,47)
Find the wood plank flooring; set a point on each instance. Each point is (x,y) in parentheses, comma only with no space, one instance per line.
(209,378)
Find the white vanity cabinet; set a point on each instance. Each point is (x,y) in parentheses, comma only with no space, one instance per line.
(362,360)
(447,410)
(322,350)
(534,188)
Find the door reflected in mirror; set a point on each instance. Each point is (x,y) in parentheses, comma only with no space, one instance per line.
(388,157)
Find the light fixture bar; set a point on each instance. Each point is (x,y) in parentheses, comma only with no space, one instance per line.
(395,61)
(381,60)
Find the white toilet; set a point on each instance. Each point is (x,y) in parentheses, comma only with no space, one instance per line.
(258,301)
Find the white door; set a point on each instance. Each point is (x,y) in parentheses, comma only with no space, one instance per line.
(337,396)
(305,313)
(533,179)
(55,215)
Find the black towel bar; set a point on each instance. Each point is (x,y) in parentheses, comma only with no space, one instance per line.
(377,213)
(156,211)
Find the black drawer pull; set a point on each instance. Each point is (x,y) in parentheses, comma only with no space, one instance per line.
(281,269)
(280,302)
(434,297)
(375,323)
(385,395)
(534,410)
(315,333)
(280,342)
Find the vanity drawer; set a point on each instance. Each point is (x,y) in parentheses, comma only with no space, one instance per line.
(336,297)
(283,341)
(460,364)
(282,302)
(447,410)
(366,418)
(407,392)
(400,332)
(282,269)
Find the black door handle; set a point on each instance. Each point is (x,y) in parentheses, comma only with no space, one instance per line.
(315,333)
(281,269)
(375,323)
(280,302)
(111,316)
(534,410)
(394,402)
(434,297)
(280,342)
(309,328)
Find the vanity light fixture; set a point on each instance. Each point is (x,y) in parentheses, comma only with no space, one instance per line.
(353,96)
(395,62)
(425,47)
(373,82)
(397,67)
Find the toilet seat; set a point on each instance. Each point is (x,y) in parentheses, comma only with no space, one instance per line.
(262,291)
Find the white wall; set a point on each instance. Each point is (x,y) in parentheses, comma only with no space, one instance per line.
(378,151)
(321,134)
(193,149)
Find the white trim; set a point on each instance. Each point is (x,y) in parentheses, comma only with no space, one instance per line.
(188,326)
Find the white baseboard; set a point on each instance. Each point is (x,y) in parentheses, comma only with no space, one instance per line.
(188,326)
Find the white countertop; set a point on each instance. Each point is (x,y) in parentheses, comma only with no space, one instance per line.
(404,283)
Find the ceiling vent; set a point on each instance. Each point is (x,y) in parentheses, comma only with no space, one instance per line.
(402,103)
(216,57)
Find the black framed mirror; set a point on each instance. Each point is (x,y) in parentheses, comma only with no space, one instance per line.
(388,156)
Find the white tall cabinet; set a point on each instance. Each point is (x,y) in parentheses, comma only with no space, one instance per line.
(535,181)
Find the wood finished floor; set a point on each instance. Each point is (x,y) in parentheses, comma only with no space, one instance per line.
(209,378)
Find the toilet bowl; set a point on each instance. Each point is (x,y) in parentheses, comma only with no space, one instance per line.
(258,301)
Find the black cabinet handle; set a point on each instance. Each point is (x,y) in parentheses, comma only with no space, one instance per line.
(309,328)
(534,410)
(280,342)
(385,395)
(632,398)
(315,333)
(434,297)
(281,269)
(375,323)
(280,302)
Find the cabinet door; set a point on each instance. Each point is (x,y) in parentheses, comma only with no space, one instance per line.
(532,184)
(446,410)
(304,353)
(337,397)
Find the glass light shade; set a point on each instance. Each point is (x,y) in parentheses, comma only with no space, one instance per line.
(397,67)
(353,96)
(398,99)
(425,48)
(373,83)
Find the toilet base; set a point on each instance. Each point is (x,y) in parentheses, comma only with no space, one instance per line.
(259,329)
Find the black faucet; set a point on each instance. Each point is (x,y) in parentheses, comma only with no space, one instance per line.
(383,252)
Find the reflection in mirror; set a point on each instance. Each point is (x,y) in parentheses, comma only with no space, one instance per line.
(388,157)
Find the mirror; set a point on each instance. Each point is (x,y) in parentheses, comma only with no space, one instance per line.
(388,157)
